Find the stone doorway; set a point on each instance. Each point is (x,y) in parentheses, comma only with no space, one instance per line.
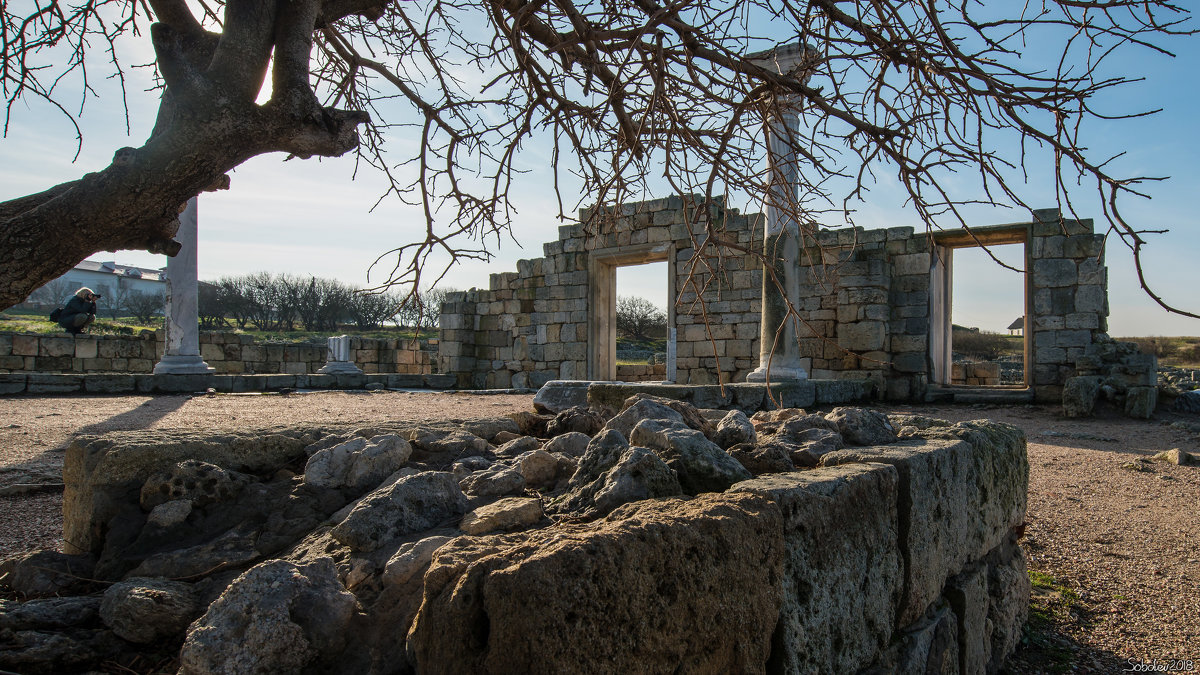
(941,298)
(602,301)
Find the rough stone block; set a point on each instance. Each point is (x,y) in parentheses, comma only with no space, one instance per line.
(862,336)
(12,383)
(913,263)
(1141,401)
(109,384)
(25,345)
(701,543)
(842,570)
(1079,395)
(964,492)
(85,347)
(1054,273)
(57,346)
(46,383)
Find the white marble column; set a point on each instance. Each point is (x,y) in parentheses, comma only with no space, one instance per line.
(337,357)
(182,355)
(779,351)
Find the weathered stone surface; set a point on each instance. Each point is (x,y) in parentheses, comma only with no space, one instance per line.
(928,646)
(276,618)
(580,418)
(104,474)
(965,489)
(702,465)
(538,467)
(411,504)
(768,458)
(506,514)
(48,613)
(357,465)
(843,569)
(571,443)
(557,395)
(200,483)
(690,414)
(412,559)
(169,514)
(967,594)
(35,652)
(1079,395)
(638,474)
(1176,456)
(1188,401)
(530,424)
(517,446)
(734,428)
(617,474)
(46,572)
(1008,592)
(146,610)
(1140,402)
(453,443)
(860,426)
(663,586)
(495,481)
(643,409)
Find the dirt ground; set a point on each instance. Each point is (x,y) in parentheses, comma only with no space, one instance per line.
(1113,540)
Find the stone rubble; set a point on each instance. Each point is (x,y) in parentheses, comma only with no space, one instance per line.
(464,548)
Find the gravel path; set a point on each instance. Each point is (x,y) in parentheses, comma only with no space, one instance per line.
(1113,540)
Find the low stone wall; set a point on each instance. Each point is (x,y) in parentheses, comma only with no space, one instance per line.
(641,373)
(897,556)
(227,353)
(975,374)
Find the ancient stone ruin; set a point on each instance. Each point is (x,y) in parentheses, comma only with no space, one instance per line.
(875,306)
(654,537)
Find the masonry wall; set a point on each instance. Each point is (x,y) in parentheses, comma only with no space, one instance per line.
(531,326)
(227,353)
(1069,285)
(866,300)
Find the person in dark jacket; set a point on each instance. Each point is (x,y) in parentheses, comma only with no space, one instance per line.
(80,311)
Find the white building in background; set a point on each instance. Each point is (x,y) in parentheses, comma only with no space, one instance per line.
(110,279)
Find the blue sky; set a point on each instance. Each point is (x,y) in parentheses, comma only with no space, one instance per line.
(309,217)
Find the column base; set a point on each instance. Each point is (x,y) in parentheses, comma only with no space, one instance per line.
(777,373)
(339,368)
(182,364)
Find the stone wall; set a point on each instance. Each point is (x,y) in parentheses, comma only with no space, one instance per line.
(895,555)
(1069,283)
(532,326)
(641,373)
(227,353)
(869,301)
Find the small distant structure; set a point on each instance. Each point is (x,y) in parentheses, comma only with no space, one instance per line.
(107,278)
(1017,327)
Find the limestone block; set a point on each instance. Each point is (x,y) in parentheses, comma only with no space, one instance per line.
(1141,401)
(967,488)
(1091,298)
(929,645)
(660,586)
(913,263)
(85,347)
(1079,395)
(25,345)
(967,594)
(57,346)
(842,577)
(1054,273)
(862,336)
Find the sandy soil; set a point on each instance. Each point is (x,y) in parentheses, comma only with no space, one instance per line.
(1113,540)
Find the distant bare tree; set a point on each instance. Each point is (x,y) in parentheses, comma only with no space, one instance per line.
(145,306)
(638,317)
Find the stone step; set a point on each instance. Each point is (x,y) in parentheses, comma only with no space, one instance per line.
(970,395)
